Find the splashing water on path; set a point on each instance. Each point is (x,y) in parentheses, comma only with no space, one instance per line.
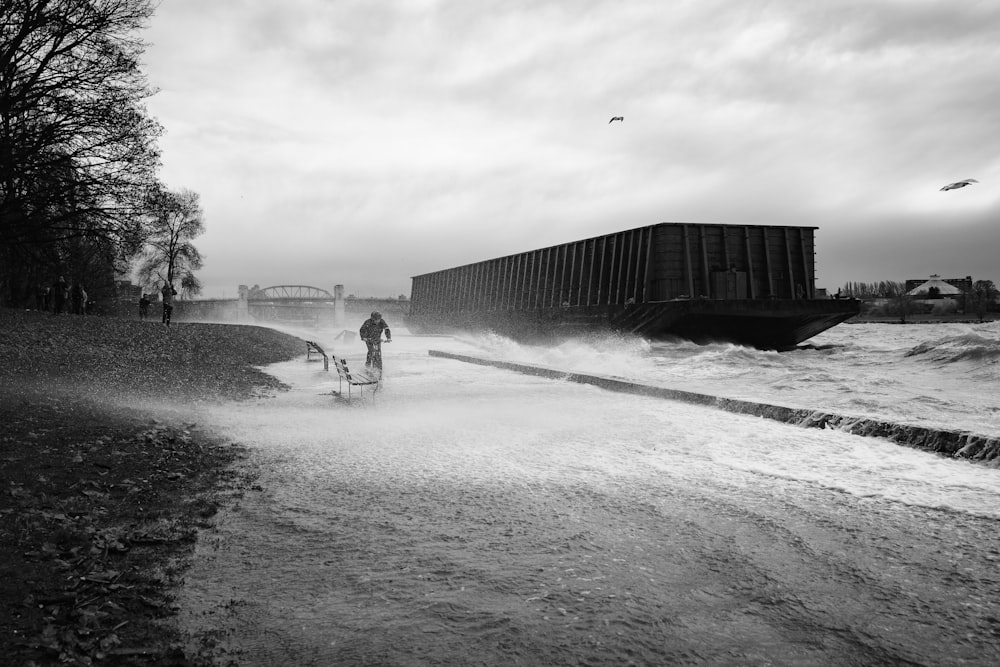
(473,515)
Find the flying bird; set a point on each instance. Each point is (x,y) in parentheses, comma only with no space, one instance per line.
(614,118)
(959,184)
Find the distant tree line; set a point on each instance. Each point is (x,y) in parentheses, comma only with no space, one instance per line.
(79,193)
(981,298)
(885,289)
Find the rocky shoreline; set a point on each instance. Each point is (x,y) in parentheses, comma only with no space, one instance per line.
(101,493)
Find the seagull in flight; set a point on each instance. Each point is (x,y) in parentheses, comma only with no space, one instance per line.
(959,184)
(614,118)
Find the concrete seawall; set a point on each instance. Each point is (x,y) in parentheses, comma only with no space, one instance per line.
(955,444)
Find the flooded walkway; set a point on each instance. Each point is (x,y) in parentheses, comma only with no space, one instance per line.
(470,515)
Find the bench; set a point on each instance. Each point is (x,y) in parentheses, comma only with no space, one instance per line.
(360,380)
(314,348)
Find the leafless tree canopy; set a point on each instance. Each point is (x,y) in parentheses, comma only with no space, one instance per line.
(175,219)
(78,150)
(983,297)
(883,289)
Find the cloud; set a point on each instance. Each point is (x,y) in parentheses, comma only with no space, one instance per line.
(365,142)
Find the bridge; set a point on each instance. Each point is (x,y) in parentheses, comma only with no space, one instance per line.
(289,303)
(293,303)
(289,293)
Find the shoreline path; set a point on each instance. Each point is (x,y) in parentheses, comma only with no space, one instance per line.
(470,515)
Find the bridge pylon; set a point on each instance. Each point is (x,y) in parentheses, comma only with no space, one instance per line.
(243,304)
(338,306)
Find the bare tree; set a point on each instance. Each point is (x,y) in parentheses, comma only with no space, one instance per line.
(903,305)
(884,289)
(176,219)
(983,295)
(77,148)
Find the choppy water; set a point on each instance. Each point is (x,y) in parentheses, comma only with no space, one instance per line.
(941,375)
(471,515)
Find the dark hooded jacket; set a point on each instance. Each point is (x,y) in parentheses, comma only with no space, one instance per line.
(372,329)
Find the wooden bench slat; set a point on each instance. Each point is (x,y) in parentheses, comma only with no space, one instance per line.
(359,380)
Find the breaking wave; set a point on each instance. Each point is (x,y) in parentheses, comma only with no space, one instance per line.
(600,353)
(935,375)
(965,347)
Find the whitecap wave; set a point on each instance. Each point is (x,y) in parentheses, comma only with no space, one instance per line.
(969,346)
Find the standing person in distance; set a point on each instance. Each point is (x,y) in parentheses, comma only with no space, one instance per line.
(60,290)
(371,333)
(168,293)
(78,299)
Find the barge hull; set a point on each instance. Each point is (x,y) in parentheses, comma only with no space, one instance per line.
(751,285)
(767,325)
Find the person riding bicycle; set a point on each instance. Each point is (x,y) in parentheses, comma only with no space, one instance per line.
(371,333)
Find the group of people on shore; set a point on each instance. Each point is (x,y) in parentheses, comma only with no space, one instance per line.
(62,297)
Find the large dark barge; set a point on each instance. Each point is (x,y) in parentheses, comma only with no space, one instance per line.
(748,284)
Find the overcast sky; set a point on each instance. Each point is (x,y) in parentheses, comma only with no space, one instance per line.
(361,142)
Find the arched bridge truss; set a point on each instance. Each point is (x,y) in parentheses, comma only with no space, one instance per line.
(303,303)
(290,303)
(291,293)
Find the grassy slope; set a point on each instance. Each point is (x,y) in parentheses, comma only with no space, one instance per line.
(99,505)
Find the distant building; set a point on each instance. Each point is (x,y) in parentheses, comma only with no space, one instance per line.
(939,287)
(939,296)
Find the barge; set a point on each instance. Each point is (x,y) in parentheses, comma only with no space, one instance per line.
(746,284)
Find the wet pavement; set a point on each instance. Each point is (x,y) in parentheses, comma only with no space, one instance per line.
(470,515)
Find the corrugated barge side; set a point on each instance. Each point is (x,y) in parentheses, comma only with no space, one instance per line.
(744,283)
